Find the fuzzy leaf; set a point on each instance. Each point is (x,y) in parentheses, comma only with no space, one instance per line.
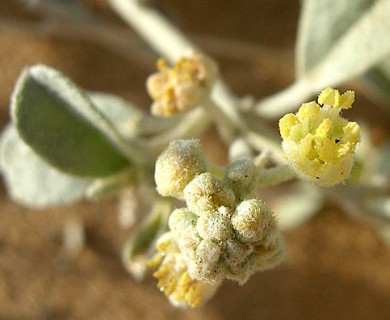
(30,180)
(139,248)
(129,120)
(123,115)
(106,187)
(339,40)
(321,25)
(56,119)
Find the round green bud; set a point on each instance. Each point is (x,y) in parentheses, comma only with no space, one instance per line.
(181,162)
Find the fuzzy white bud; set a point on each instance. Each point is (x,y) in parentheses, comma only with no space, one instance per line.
(181,162)
(241,176)
(252,220)
(205,194)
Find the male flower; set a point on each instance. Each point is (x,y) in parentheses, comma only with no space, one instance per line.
(318,142)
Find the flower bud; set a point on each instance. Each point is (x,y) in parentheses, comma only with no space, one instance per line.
(181,220)
(214,226)
(252,220)
(174,279)
(241,177)
(205,194)
(182,87)
(181,162)
(206,267)
(318,142)
(237,260)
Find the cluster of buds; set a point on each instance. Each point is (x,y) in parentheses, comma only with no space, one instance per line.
(318,142)
(182,87)
(224,232)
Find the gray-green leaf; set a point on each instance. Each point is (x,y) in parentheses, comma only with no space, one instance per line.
(139,247)
(342,39)
(30,180)
(129,120)
(321,25)
(337,41)
(58,121)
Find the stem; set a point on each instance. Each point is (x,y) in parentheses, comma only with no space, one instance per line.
(239,149)
(227,103)
(276,175)
(284,101)
(162,36)
(261,143)
(192,125)
(167,40)
(128,207)
(73,235)
(223,123)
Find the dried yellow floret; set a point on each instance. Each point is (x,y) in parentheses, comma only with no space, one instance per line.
(185,85)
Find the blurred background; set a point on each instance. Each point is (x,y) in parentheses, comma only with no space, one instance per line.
(336,267)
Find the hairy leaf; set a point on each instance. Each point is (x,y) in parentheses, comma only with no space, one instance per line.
(339,40)
(139,248)
(30,180)
(56,119)
(129,120)
(322,24)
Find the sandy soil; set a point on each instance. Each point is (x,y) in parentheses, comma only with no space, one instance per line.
(336,267)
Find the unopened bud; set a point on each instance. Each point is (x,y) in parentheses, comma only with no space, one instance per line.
(252,220)
(241,177)
(181,162)
(205,194)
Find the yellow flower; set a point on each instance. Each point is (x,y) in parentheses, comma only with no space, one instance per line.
(318,142)
(183,86)
(174,279)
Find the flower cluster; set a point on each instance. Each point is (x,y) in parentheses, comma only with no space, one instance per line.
(318,142)
(222,233)
(182,87)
